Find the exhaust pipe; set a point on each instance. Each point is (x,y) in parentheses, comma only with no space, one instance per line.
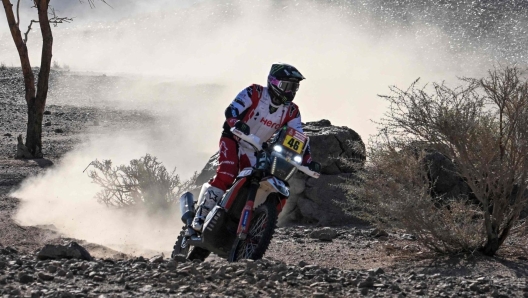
(187,208)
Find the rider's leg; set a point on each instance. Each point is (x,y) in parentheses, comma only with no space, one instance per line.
(225,175)
(210,196)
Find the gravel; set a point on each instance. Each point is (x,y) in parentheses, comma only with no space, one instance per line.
(24,275)
(302,260)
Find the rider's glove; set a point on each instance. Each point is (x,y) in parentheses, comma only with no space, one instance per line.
(231,121)
(242,126)
(307,159)
(314,166)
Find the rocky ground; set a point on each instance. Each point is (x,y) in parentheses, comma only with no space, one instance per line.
(302,260)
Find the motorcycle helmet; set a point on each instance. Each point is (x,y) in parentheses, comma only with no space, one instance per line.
(283,83)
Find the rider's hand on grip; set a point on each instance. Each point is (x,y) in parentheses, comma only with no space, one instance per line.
(314,166)
(242,126)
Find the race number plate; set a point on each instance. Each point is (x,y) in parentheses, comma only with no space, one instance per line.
(294,140)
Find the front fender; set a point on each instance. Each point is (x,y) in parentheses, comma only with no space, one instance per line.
(270,185)
(279,186)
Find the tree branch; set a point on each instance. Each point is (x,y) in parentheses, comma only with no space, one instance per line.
(58,20)
(92,3)
(18,15)
(53,20)
(29,79)
(29,29)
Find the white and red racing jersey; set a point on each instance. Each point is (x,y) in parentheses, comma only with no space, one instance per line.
(252,105)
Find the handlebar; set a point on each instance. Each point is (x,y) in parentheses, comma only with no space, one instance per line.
(254,141)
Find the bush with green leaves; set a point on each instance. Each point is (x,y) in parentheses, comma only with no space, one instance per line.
(482,127)
(144,181)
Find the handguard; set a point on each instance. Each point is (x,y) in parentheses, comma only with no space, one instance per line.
(252,140)
(308,172)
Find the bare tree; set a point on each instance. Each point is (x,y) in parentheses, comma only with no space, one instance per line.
(35,96)
(483,128)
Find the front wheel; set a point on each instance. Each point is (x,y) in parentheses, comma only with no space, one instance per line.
(261,231)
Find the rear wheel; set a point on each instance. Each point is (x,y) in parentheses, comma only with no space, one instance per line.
(261,231)
(181,248)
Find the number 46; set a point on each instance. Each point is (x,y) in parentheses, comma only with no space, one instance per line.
(294,144)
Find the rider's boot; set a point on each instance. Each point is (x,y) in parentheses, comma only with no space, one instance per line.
(210,197)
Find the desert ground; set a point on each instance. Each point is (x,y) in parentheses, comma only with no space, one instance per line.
(355,261)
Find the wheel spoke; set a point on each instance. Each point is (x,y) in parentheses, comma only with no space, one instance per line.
(249,245)
(258,226)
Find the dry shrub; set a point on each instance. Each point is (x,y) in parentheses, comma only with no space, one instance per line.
(482,127)
(144,181)
(395,192)
(57,66)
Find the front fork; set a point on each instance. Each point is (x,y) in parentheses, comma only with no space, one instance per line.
(247,212)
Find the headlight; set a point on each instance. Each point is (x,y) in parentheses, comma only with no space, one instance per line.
(277,148)
(297,159)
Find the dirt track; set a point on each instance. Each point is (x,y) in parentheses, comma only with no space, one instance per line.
(296,265)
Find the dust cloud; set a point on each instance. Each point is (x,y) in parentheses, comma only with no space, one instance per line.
(201,55)
(64,197)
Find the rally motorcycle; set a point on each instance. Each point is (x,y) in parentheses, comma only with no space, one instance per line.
(242,224)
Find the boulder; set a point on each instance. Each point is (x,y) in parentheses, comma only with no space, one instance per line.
(341,152)
(448,184)
(323,201)
(442,172)
(339,149)
(70,251)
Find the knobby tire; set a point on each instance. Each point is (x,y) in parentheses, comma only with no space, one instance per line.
(189,252)
(261,231)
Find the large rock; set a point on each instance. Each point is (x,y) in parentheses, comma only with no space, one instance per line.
(341,151)
(70,251)
(442,172)
(447,184)
(323,201)
(338,148)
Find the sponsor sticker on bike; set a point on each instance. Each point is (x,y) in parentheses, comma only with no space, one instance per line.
(294,140)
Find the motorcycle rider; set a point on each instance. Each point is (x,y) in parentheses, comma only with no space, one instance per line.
(261,111)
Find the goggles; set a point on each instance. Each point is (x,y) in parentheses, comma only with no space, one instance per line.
(288,86)
(285,86)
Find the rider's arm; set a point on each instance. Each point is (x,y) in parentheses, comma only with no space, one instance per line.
(295,123)
(238,108)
